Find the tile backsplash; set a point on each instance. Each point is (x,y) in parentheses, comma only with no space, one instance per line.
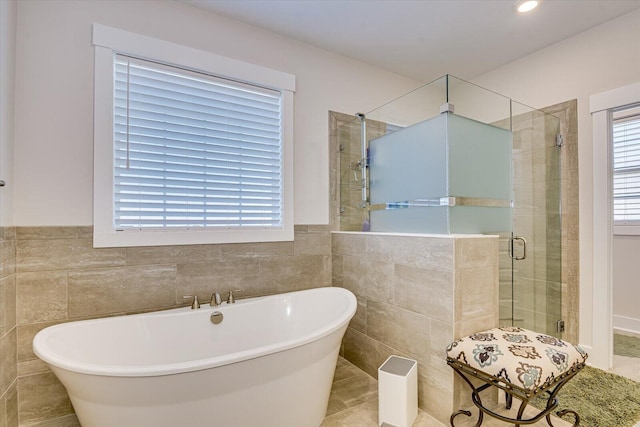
(60,277)
(8,330)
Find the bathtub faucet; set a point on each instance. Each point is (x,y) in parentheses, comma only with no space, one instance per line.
(215,299)
(195,304)
(231,299)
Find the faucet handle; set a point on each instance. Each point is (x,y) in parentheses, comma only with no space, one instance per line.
(231,298)
(195,304)
(215,299)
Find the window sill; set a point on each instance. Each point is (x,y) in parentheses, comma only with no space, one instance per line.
(626,230)
(117,239)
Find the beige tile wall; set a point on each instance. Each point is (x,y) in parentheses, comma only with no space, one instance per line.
(416,294)
(8,331)
(60,277)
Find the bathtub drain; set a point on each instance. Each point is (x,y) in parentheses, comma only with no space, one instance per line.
(216,317)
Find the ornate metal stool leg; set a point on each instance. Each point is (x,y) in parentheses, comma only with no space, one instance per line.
(576,421)
(519,420)
(523,405)
(475,397)
(576,417)
(553,401)
(460,412)
(508,397)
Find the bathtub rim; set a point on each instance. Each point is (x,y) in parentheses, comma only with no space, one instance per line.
(42,351)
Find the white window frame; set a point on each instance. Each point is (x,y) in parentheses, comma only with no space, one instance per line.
(107,42)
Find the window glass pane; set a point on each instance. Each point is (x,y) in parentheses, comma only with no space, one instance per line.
(193,150)
(626,166)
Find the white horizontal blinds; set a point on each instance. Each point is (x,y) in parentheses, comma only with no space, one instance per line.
(192,150)
(626,168)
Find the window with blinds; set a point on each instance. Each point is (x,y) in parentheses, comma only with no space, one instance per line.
(193,150)
(626,167)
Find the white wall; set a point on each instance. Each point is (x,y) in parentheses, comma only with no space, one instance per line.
(603,58)
(54,97)
(8,10)
(626,283)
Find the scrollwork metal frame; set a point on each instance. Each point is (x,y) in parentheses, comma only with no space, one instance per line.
(511,390)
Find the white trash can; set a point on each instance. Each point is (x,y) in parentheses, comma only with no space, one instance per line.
(397,392)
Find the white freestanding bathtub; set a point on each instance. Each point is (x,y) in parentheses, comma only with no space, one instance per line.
(269,363)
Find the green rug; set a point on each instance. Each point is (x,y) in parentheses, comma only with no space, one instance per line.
(601,398)
(624,345)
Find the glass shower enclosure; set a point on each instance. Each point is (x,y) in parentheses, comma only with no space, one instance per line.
(454,158)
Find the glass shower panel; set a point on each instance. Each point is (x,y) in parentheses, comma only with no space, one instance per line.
(477,103)
(420,104)
(445,175)
(352,215)
(409,169)
(416,106)
(479,176)
(536,281)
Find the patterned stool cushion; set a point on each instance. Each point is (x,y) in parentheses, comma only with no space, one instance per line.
(518,357)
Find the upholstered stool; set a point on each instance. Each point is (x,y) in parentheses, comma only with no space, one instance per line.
(523,363)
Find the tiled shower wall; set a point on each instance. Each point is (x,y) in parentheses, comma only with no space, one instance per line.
(416,294)
(60,277)
(349,134)
(8,330)
(567,112)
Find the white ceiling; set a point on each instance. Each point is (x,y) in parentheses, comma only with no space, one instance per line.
(424,39)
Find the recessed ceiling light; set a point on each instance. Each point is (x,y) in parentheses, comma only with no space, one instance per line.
(524,6)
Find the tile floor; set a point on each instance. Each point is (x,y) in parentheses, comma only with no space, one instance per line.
(627,367)
(353,403)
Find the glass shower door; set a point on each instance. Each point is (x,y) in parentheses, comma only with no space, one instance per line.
(532,270)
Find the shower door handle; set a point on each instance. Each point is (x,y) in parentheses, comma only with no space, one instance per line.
(511,248)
